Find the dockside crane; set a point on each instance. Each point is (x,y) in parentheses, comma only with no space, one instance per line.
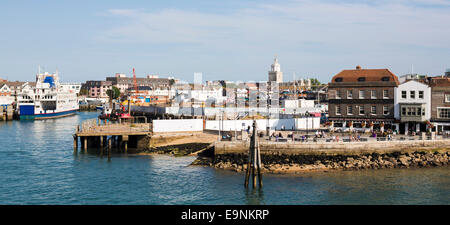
(135,82)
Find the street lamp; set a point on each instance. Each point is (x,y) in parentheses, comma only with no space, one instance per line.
(307,116)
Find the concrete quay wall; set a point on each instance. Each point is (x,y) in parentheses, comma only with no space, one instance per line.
(333,148)
(299,157)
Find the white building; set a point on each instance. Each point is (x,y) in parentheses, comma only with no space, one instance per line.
(297,103)
(412,106)
(71,87)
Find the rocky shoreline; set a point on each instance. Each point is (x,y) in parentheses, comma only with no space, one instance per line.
(309,163)
(177,150)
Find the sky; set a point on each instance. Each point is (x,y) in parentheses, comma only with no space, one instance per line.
(231,40)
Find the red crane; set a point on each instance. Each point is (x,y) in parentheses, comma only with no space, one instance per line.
(136,89)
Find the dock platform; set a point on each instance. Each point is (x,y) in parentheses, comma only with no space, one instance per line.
(99,134)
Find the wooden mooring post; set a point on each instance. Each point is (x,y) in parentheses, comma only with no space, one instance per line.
(254,160)
(75,143)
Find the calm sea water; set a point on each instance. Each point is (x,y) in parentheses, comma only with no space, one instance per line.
(37,166)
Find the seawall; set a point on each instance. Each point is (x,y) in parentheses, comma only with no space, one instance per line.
(306,157)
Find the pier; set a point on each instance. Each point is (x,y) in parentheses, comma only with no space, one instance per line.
(102,135)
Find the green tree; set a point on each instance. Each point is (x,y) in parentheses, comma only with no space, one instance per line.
(84,92)
(314,81)
(113,93)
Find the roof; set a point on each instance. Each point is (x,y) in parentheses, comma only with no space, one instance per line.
(13,83)
(370,75)
(440,82)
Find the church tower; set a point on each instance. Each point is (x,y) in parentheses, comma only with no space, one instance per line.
(275,73)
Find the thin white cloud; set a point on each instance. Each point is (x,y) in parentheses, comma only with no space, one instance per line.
(349,24)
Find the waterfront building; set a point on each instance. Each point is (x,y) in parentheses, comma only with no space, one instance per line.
(275,74)
(362,98)
(412,109)
(15,87)
(440,103)
(97,88)
(123,82)
(5,90)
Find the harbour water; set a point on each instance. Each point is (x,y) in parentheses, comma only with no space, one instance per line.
(38,166)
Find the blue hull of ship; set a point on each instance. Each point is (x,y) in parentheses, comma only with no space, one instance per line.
(47,115)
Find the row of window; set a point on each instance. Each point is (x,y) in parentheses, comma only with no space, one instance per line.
(362,110)
(362,94)
(412,94)
(413,111)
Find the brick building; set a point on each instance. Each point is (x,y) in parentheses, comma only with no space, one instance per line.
(440,103)
(124,83)
(362,98)
(97,88)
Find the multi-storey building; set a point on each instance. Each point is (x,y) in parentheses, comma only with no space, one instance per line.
(362,98)
(412,109)
(440,103)
(123,83)
(97,88)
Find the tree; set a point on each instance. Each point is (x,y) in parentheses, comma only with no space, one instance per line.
(314,81)
(171,82)
(84,92)
(113,93)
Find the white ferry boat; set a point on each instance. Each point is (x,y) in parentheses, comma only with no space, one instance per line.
(48,99)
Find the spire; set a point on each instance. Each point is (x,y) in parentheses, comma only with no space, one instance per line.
(275,66)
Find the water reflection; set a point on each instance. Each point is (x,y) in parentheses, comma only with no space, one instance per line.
(254,196)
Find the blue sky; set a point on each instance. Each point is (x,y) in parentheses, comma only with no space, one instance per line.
(234,40)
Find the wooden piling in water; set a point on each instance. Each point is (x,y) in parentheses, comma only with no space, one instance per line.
(109,148)
(254,160)
(75,143)
(85,141)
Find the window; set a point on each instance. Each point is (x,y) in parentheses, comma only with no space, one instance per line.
(361,110)
(373,94)
(361,79)
(385,79)
(385,110)
(349,110)
(421,94)
(361,94)
(419,111)
(447,98)
(404,94)
(412,94)
(385,93)
(338,110)
(373,110)
(338,94)
(339,79)
(403,111)
(349,94)
(444,113)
